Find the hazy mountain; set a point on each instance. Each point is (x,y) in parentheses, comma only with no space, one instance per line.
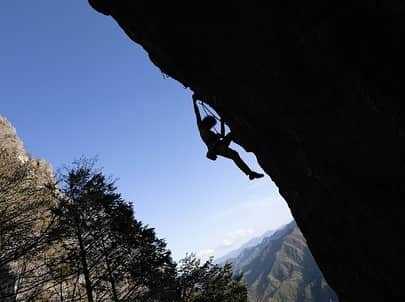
(281,268)
(251,243)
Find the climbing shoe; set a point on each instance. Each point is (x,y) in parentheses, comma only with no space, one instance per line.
(254,175)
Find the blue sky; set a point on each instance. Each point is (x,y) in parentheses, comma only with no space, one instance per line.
(73,84)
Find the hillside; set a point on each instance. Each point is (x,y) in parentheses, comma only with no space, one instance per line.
(281,268)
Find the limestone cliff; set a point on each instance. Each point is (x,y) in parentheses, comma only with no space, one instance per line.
(9,141)
(315,90)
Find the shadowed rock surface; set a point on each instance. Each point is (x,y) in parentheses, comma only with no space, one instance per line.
(315,90)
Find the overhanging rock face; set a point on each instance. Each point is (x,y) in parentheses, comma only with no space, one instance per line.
(315,90)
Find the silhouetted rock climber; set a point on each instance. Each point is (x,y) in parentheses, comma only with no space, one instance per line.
(218,143)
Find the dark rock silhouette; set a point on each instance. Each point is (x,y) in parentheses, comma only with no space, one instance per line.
(315,90)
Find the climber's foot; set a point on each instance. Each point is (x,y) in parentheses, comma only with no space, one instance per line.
(254,175)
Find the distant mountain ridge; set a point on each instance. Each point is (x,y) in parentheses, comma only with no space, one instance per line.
(281,268)
(250,243)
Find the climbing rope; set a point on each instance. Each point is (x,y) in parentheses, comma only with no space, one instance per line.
(207,112)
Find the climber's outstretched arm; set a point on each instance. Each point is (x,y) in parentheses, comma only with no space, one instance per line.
(196,110)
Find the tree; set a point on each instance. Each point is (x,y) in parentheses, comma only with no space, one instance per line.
(209,282)
(80,242)
(102,246)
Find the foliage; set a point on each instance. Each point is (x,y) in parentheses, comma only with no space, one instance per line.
(118,258)
(209,282)
(79,241)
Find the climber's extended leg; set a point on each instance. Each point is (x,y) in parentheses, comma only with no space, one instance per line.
(227,152)
(232,154)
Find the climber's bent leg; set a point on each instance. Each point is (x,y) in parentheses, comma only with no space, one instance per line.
(227,139)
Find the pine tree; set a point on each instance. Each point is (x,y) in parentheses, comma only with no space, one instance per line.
(116,257)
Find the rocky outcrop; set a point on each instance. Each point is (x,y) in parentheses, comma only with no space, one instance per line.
(10,143)
(315,90)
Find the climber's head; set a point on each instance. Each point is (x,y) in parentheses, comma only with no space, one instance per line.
(208,122)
